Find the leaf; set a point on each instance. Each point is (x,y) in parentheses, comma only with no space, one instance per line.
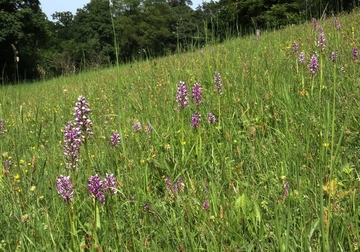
(342,194)
(243,204)
(332,187)
(314,226)
(257,211)
(98,223)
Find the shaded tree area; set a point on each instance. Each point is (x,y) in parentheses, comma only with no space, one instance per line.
(243,16)
(33,47)
(23,37)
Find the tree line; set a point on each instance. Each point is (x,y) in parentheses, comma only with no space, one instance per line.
(104,32)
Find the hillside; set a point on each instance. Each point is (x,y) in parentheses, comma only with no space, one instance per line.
(275,169)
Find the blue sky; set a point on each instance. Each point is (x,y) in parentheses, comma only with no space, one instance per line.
(51,6)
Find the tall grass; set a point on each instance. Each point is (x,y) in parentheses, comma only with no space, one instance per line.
(278,171)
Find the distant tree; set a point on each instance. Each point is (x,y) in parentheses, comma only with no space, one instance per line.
(176,3)
(208,14)
(242,15)
(93,33)
(63,23)
(280,13)
(142,27)
(23,34)
(185,25)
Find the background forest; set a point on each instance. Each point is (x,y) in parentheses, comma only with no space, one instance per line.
(33,47)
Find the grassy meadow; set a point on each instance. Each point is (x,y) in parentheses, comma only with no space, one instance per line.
(277,171)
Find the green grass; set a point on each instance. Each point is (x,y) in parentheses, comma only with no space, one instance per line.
(277,124)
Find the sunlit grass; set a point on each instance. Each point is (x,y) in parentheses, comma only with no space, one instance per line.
(277,125)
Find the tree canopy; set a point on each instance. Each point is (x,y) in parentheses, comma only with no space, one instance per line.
(22,36)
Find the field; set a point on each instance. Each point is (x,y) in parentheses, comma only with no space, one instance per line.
(274,167)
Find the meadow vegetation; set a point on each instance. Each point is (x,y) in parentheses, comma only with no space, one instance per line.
(277,169)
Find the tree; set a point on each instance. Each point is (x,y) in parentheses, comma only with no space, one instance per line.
(142,27)
(208,14)
(185,26)
(62,25)
(93,33)
(22,35)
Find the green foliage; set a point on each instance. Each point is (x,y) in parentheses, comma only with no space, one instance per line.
(143,28)
(93,34)
(280,15)
(22,33)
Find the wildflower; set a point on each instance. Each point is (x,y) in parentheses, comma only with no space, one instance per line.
(333,56)
(342,69)
(303,92)
(167,147)
(24,218)
(168,183)
(109,184)
(211,118)
(95,188)
(197,94)
(115,139)
(295,47)
(314,22)
(321,41)
(302,57)
(7,163)
(146,206)
(137,126)
(149,128)
(182,95)
(286,190)
(355,53)
(337,24)
(2,126)
(81,112)
(195,119)
(72,140)
(218,82)
(205,205)
(65,188)
(180,184)
(314,64)
(174,188)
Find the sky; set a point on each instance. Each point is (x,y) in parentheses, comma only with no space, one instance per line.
(51,6)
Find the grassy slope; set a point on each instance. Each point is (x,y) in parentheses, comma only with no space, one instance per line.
(278,124)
